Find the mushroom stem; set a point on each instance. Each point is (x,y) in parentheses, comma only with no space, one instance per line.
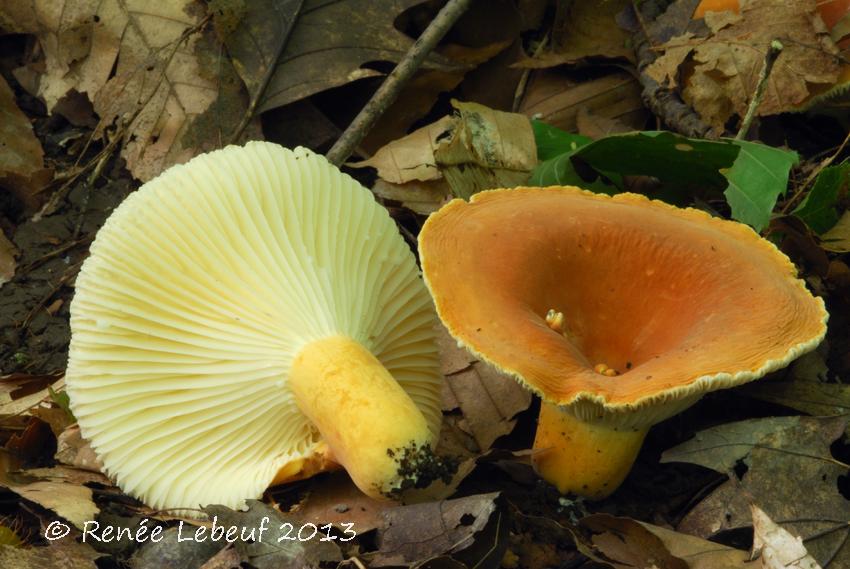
(590,460)
(364,415)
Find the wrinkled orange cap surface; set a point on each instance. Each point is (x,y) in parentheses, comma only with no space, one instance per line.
(678,302)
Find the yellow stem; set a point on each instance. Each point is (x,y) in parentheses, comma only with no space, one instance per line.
(364,415)
(582,458)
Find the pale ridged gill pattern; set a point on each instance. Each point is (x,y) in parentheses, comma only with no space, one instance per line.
(201,288)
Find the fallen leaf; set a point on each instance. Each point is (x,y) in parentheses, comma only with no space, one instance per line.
(74,450)
(21,391)
(173,95)
(255,34)
(280,547)
(176,549)
(471,530)
(777,547)
(423,90)
(623,543)
(21,165)
(77,39)
(489,400)
(334,499)
(726,64)
(837,239)
(790,473)
(332,42)
(8,252)
(60,490)
(597,126)
(67,555)
(486,149)
(555,98)
(421,197)
(585,29)
(410,158)
(227,558)
(812,397)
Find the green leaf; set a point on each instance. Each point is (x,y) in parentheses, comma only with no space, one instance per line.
(818,207)
(756,179)
(682,165)
(553,142)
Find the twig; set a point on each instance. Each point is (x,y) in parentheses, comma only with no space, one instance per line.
(261,90)
(519,93)
(395,81)
(664,103)
(815,173)
(770,57)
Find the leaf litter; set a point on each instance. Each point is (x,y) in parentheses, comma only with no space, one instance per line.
(128,71)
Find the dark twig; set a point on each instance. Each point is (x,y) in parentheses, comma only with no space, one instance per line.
(664,103)
(773,52)
(392,85)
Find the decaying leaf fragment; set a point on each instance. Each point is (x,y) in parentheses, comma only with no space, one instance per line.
(477,149)
(487,149)
(471,530)
(21,162)
(623,543)
(777,547)
(172,94)
(791,474)
(726,64)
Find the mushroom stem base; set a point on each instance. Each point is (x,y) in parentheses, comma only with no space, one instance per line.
(582,458)
(363,414)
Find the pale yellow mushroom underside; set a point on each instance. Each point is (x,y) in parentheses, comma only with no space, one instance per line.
(199,291)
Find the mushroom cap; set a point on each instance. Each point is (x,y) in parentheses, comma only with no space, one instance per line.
(201,288)
(678,302)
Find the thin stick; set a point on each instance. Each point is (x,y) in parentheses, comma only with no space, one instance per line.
(395,81)
(773,52)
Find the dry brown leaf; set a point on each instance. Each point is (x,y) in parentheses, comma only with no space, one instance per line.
(489,400)
(227,558)
(66,554)
(624,543)
(556,99)
(334,499)
(420,197)
(411,157)
(74,450)
(791,474)
(777,547)
(596,126)
(58,489)
(585,29)
(470,529)
(21,391)
(332,42)
(8,252)
(21,162)
(173,95)
(420,94)
(726,65)
(837,239)
(486,149)
(77,40)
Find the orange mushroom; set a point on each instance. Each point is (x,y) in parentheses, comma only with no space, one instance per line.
(619,312)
